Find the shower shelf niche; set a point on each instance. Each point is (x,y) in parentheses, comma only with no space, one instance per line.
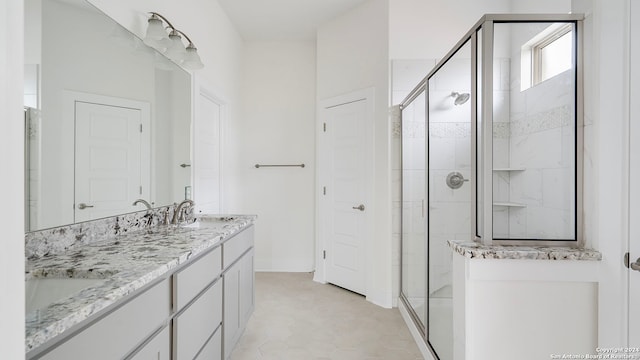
(509,169)
(509,204)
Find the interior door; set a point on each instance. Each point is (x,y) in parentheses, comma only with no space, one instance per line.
(108,165)
(344,193)
(207,154)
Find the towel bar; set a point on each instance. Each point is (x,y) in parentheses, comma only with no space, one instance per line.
(258,166)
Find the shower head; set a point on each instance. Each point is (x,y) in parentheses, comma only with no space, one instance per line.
(460,98)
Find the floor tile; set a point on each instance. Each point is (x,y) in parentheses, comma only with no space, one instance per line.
(297,318)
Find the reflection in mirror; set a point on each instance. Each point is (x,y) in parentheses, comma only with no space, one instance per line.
(107,118)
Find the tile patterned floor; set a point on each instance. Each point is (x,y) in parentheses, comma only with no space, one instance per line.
(297,318)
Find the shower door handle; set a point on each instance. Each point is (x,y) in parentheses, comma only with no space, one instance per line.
(359,207)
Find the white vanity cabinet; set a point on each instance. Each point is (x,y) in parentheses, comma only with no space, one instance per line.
(116,334)
(198,299)
(239,290)
(198,312)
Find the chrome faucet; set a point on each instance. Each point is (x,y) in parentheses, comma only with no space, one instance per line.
(179,209)
(144,202)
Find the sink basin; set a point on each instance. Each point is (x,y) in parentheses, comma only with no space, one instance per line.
(209,222)
(42,292)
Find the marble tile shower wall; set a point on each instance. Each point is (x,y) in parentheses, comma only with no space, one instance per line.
(501,145)
(541,140)
(61,239)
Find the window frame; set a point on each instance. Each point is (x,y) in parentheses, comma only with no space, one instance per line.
(538,47)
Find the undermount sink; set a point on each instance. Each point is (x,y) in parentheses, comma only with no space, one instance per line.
(208,221)
(42,292)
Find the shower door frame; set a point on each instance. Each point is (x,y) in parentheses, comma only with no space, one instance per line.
(419,90)
(486,24)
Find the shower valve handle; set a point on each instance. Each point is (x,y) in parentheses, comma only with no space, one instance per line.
(455,180)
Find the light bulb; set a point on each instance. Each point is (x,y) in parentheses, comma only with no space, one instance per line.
(176,51)
(192,59)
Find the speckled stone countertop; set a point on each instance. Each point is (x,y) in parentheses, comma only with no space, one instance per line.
(476,250)
(126,262)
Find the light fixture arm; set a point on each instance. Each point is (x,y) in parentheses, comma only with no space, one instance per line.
(172,27)
(185,36)
(157,38)
(163,18)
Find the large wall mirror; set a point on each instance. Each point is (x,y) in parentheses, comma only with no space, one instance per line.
(107,119)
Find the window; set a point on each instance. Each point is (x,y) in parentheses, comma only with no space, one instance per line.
(552,55)
(546,55)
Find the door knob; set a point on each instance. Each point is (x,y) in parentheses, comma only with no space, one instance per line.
(635,265)
(360,207)
(83,206)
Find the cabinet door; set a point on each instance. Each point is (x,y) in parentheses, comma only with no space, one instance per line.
(231,319)
(157,349)
(247,292)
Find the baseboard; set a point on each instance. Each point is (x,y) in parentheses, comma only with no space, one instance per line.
(380,298)
(283,265)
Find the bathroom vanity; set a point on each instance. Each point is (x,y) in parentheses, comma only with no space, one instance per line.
(162,292)
(506,298)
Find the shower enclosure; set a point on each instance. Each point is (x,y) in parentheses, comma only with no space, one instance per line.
(489,154)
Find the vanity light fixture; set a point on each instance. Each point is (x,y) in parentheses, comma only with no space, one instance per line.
(171,44)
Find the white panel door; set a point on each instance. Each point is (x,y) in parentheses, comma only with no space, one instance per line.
(207,155)
(634,181)
(345,194)
(108,174)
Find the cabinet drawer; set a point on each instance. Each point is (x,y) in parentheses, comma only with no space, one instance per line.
(213,349)
(234,247)
(195,325)
(190,281)
(159,348)
(115,335)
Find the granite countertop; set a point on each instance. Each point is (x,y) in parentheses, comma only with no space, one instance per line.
(475,250)
(127,262)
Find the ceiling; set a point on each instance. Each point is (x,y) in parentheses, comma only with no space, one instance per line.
(262,20)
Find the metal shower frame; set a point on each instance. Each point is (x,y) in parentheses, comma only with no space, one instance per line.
(486,25)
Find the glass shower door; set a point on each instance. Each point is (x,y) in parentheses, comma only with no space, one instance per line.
(449,167)
(413,209)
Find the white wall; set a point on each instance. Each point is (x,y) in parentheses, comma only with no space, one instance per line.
(12,187)
(353,55)
(276,126)
(606,153)
(422,29)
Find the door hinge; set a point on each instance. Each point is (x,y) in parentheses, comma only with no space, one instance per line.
(324,190)
(626,260)
(324,254)
(324,127)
